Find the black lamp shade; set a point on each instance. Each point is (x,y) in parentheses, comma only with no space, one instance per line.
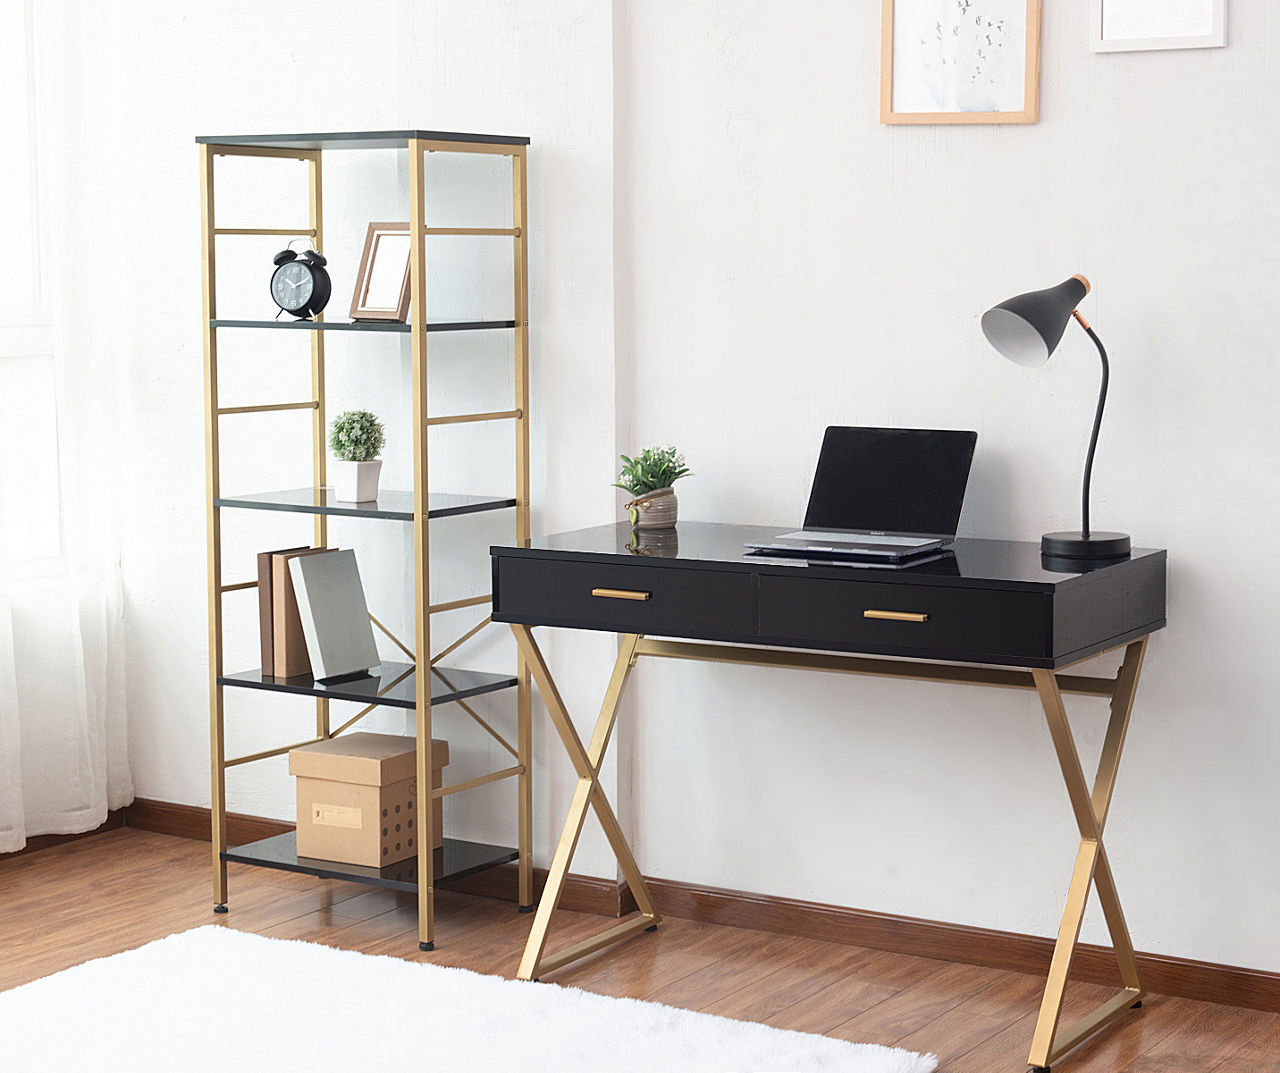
(1026,329)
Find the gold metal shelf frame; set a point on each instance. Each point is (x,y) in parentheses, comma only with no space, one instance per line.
(423,609)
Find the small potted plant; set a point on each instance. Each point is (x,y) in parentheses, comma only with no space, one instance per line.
(355,438)
(648,477)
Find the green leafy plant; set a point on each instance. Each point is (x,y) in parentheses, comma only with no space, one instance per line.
(653,468)
(356,436)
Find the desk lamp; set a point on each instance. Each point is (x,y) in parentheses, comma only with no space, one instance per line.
(1027,329)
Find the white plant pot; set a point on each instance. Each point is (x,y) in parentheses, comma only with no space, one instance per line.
(355,482)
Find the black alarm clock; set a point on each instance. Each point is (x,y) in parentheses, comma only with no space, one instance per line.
(300,285)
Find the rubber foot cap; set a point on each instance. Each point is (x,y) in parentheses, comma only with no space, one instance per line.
(219,908)
(1039,1069)
(426,946)
(1137,1005)
(652,927)
(527,908)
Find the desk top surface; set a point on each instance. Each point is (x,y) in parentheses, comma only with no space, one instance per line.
(969,561)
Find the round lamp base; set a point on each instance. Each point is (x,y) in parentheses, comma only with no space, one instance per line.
(1076,545)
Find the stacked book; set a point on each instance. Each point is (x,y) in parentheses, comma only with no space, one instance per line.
(312,615)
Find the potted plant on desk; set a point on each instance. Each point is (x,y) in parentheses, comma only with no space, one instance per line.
(355,438)
(649,477)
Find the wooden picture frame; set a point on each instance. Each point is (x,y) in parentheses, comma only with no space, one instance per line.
(1130,37)
(382,284)
(966,53)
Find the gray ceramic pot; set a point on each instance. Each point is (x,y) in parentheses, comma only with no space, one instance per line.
(656,509)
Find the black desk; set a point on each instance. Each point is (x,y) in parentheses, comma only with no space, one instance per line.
(991,606)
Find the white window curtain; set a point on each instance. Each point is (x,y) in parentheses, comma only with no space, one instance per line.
(63,726)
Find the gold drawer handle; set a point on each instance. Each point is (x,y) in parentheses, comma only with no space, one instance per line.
(897,616)
(622,594)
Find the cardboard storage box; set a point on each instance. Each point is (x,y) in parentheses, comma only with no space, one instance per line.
(358,798)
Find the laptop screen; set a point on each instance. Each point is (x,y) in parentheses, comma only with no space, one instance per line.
(891,480)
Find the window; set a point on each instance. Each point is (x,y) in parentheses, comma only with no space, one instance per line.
(29,523)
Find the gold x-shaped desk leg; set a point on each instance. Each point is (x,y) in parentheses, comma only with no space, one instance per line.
(1050,1041)
(588,793)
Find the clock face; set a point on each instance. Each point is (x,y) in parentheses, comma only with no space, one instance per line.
(291,286)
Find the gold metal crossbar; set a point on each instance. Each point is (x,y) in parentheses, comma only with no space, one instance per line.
(430,145)
(461,640)
(394,639)
(268,407)
(513,232)
(479,720)
(370,707)
(238,586)
(299,231)
(957,673)
(460,419)
(266,753)
(479,780)
(312,155)
(1089,804)
(454,605)
(442,675)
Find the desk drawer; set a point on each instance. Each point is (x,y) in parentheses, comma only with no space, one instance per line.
(628,599)
(944,622)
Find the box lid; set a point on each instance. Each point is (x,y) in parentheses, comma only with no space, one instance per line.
(368,759)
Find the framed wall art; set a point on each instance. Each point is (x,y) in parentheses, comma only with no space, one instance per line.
(1146,25)
(382,284)
(960,61)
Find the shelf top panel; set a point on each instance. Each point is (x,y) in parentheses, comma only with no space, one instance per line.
(392,684)
(454,860)
(392,504)
(364,325)
(358,139)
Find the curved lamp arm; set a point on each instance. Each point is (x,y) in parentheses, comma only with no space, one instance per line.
(1097,422)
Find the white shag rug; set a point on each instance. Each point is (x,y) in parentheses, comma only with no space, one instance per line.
(221,1000)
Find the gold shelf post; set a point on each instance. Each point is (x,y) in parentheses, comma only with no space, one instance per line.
(421,540)
(524,688)
(212,481)
(316,199)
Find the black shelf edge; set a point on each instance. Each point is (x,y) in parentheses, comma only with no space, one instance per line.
(390,504)
(454,860)
(358,139)
(393,685)
(384,326)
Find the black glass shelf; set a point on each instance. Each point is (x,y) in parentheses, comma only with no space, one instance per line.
(454,860)
(364,325)
(392,684)
(395,505)
(359,139)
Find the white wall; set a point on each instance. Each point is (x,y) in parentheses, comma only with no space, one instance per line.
(780,262)
(792,264)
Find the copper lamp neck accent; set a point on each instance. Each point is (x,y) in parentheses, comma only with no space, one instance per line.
(1083,323)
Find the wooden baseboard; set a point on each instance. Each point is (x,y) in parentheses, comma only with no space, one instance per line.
(582,894)
(1180,977)
(192,821)
(36,843)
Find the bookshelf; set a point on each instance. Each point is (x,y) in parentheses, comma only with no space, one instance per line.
(424,683)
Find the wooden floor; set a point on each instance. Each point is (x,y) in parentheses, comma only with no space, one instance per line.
(117,890)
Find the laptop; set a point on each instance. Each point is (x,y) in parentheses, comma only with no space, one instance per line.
(881,494)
